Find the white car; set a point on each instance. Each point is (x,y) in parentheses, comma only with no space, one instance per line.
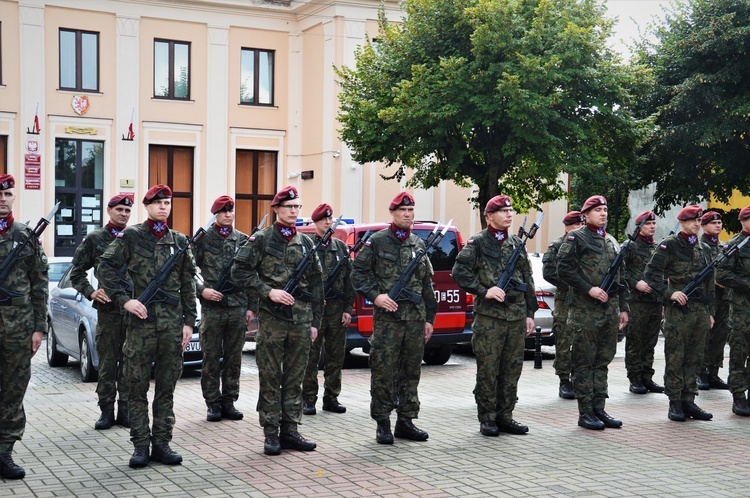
(545,296)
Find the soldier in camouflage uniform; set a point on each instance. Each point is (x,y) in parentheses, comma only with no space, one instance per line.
(501,320)
(593,315)
(713,358)
(563,364)
(111,319)
(734,273)
(286,324)
(225,315)
(397,342)
(645,309)
(157,334)
(336,318)
(22,325)
(675,262)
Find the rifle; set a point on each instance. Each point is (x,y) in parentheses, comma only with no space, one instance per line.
(399,292)
(328,290)
(153,292)
(610,284)
(692,289)
(7,295)
(675,229)
(225,284)
(507,282)
(292,285)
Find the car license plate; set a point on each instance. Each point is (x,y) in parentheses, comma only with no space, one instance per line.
(193,346)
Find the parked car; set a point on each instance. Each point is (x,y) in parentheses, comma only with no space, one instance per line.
(56,267)
(545,297)
(71,331)
(455,311)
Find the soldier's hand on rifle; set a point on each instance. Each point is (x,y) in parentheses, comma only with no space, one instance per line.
(623,319)
(529,326)
(679,297)
(100,296)
(385,302)
(137,308)
(187,334)
(428,329)
(495,293)
(642,286)
(36,341)
(313,333)
(346,319)
(281,297)
(212,295)
(599,294)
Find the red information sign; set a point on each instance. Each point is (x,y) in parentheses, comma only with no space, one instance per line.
(33,171)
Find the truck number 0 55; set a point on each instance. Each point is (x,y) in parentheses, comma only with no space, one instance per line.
(449,296)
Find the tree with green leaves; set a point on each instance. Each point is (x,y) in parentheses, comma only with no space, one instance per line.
(501,94)
(699,102)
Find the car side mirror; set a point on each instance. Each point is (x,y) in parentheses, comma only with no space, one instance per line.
(70,293)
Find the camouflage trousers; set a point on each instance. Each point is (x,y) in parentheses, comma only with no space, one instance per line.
(16,327)
(641,338)
(332,340)
(594,345)
(739,354)
(281,354)
(110,337)
(396,350)
(498,346)
(684,344)
(562,364)
(222,334)
(713,357)
(158,342)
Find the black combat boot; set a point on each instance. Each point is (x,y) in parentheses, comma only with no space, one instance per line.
(566,389)
(107,418)
(271,446)
(383,432)
(652,386)
(213,413)
(333,405)
(608,420)
(740,407)
(702,382)
(675,411)
(293,440)
(511,426)
(715,382)
(692,410)
(8,468)
(489,428)
(588,420)
(140,457)
(161,452)
(637,387)
(228,411)
(308,408)
(123,415)
(406,429)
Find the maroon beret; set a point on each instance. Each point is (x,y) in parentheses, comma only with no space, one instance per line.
(574,217)
(593,201)
(6,182)
(744,213)
(322,211)
(124,199)
(710,216)
(646,215)
(285,194)
(496,203)
(402,199)
(223,203)
(157,192)
(690,213)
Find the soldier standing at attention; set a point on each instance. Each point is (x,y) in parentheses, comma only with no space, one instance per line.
(593,316)
(675,262)
(336,318)
(734,273)
(563,366)
(264,265)
(225,317)
(645,309)
(501,321)
(713,358)
(111,318)
(22,325)
(157,334)
(397,342)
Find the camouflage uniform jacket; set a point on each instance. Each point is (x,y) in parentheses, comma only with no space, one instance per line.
(88,255)
(329,257)
(28,276)
(381,262)
(267,262)
(144,254)
(637,256)
(583,261)
(212,255)
(734,273)
(479,266)
(674,263)
(549,269)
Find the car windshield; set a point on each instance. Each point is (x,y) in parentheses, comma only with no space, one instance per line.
(57,270)
(444,255)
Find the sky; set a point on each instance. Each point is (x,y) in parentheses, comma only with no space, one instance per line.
(632,14)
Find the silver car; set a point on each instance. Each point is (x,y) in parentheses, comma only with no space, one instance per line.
(545,296)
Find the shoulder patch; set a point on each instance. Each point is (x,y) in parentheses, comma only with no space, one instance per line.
(251,238)
(663,247)
(570,237)
(367,242)
(470,241)
(119,235)
(551,245)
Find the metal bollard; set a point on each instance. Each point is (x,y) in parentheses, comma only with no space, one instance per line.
(538,348)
